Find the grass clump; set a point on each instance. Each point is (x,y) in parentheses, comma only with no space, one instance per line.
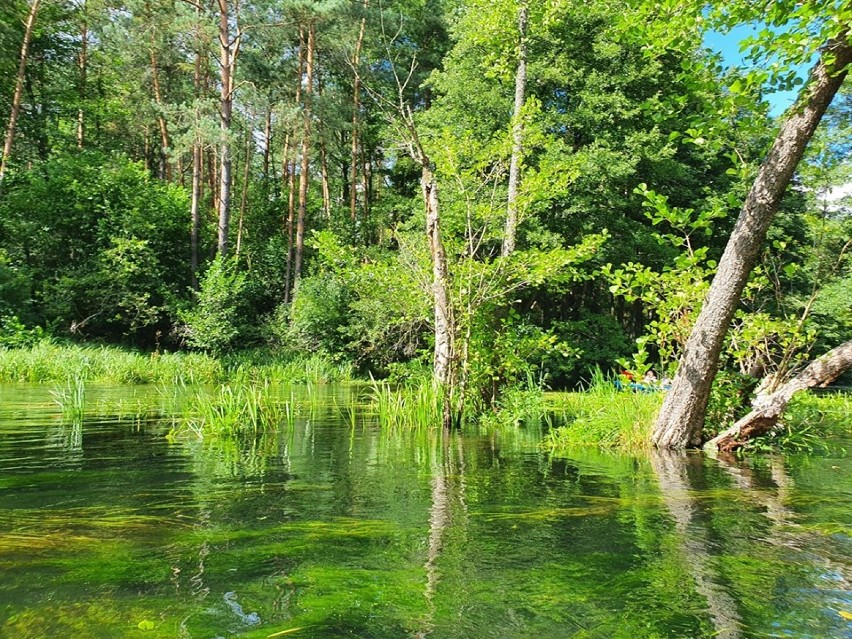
(71,399)
(415,405)
(232,409)
(602,415)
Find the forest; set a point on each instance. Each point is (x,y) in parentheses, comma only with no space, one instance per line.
(250,176)
(459,319)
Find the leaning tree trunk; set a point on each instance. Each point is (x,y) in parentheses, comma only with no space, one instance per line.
(517,135)
(768,409)
(19,89)
(682,415)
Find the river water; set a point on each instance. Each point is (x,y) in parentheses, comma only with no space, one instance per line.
(333,527)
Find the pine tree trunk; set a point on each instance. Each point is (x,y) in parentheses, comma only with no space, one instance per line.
(517,134)
(356,119)
(226,64)
(166,172)
(681,418)
(768,409)
(267,143)
(305,167)
(197,161)
(19,88)
(244,192)
(291,202)
(83,65)
(194,212)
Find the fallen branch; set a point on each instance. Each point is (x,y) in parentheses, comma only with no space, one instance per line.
(768,409)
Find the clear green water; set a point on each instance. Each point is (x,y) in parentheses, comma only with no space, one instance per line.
(339,529)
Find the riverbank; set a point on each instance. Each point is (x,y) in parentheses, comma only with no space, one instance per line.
(48,362)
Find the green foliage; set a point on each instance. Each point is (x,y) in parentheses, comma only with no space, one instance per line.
(318,317)
(213,324)
(730,398)
(13,333)
(71,399)
(96,246)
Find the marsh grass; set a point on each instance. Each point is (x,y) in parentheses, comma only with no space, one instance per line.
(71,399)
(415,405)
(232,409)
(50,362)
(602,415)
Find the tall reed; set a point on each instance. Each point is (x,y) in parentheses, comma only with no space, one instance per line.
(414,406)
(71,399)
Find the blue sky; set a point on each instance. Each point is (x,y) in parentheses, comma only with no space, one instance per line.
(728,44)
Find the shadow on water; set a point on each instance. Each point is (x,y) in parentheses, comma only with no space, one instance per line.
(329,526)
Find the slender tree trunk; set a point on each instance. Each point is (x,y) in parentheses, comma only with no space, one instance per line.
(83,64)
(306,148)
(244,193)
(291,195)
(326,190)
(517,134)
(682,416)
(227,62)
(267,142)
(19,88)
(440,280)
(195,212)
(356,118)
(161,120)
(197,160)
(768,409)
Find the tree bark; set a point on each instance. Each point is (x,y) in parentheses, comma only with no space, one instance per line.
(440,279)
(267,143)
(306,148)
(682,416)
(83,65)
(19,88)
(166,172)
(244,192)
(356,118)
(768,409)
(228,54)
(517,134)
(291,202)
(197,160)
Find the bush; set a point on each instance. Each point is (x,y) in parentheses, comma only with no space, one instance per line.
(97,246)
(213,324)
